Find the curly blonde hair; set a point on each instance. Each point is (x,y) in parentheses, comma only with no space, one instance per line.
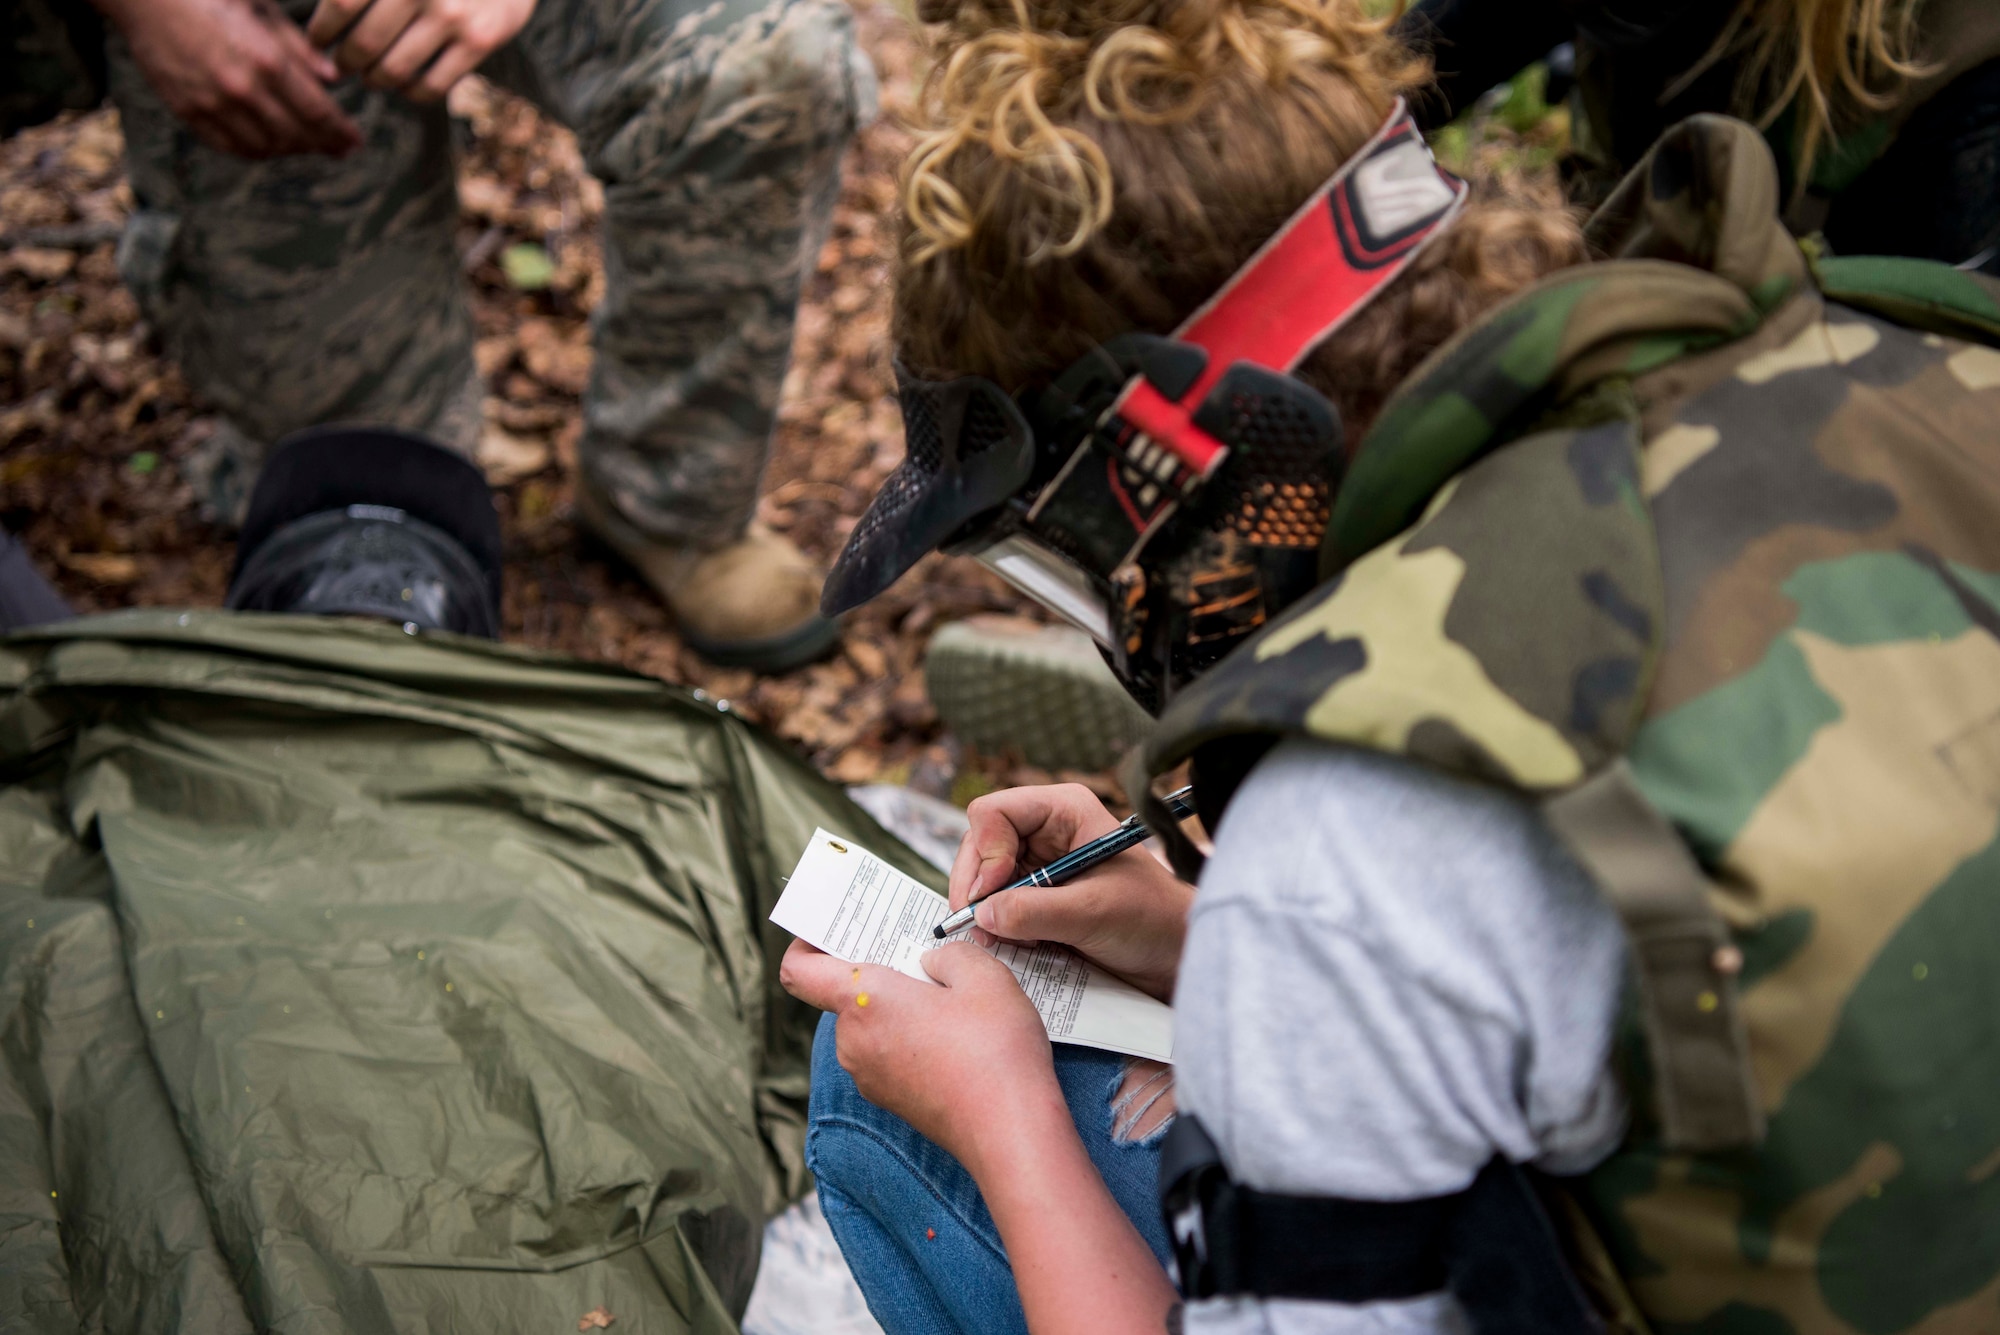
(1089,167)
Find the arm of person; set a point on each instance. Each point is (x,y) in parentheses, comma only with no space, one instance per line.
(1128,914)
(1392,975)
(419,48)
(238,73)
(968,1064)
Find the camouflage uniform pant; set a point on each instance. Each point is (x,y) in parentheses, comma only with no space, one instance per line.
(307,290)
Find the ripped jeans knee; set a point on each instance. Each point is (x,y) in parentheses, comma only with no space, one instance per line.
(1142,1101)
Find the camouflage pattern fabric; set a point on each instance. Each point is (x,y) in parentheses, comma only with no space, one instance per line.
(1698,519)
(307,290)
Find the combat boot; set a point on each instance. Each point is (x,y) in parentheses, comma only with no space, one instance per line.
(753,603)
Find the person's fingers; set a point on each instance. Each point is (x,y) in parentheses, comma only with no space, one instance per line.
(1008,828)
(405,58)
(1073,914)
(962,964)
(1019,915)
(219,134)
(838,985)
(331,18)
(964,871)
(1002,829)
(459,59)
(251,129)
(379,28)
(326,126)
(814,977)
(316,63)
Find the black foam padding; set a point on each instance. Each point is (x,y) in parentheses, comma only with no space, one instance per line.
(333,467)
(1173,367)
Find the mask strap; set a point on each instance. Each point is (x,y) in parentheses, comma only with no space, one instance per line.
(1346,243)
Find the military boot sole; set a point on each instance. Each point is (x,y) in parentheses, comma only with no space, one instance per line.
(1041,691)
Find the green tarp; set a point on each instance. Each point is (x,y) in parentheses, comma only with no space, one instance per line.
(357,981)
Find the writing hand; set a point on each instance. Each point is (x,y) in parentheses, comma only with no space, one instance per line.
(238,73)
(417,47)
(1128,914)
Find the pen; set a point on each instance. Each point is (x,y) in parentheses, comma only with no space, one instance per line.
(1130,833)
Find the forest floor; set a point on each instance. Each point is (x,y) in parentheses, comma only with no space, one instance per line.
(98,430)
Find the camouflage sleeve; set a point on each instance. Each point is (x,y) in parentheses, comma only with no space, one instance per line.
(1509,635)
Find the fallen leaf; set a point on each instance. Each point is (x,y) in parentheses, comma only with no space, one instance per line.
(38,263)
(857,764)
(558,361)
(528,267)
(866,656)
(484,197)
(97,148)
(493,354)
(104,567)
(595,1319)
(507,458)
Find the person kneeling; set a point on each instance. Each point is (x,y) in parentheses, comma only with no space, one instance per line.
(1581,665)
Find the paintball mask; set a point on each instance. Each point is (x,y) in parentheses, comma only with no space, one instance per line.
(371,522)
(1165,494)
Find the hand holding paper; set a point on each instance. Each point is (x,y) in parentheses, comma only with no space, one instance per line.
(849,903)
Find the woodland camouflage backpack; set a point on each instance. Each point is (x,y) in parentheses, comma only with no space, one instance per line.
(1701,546)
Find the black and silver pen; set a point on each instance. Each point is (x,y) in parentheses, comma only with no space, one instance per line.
(1130,833)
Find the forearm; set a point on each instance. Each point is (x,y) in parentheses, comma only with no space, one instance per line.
(1078,1262)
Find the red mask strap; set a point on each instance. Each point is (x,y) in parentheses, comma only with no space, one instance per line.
(1345,244)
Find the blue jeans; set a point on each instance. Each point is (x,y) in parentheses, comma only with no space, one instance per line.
(910,1221)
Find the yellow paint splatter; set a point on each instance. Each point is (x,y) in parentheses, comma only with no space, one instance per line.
(447,987)
(420,954)
(1707,1001)
(159,1015)
(861,1000)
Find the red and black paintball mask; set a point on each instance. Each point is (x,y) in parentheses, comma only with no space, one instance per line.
(1166,494)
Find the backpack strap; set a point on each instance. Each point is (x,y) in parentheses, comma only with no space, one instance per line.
(1682,958)
(1919,294)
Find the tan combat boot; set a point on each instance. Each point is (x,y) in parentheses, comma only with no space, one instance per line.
(753,603)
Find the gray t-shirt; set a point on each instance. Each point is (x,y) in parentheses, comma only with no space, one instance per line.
(1391,974)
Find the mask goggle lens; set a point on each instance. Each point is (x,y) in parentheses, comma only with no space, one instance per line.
(1051,579)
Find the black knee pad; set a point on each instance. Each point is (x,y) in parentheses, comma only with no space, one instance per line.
(368,521)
